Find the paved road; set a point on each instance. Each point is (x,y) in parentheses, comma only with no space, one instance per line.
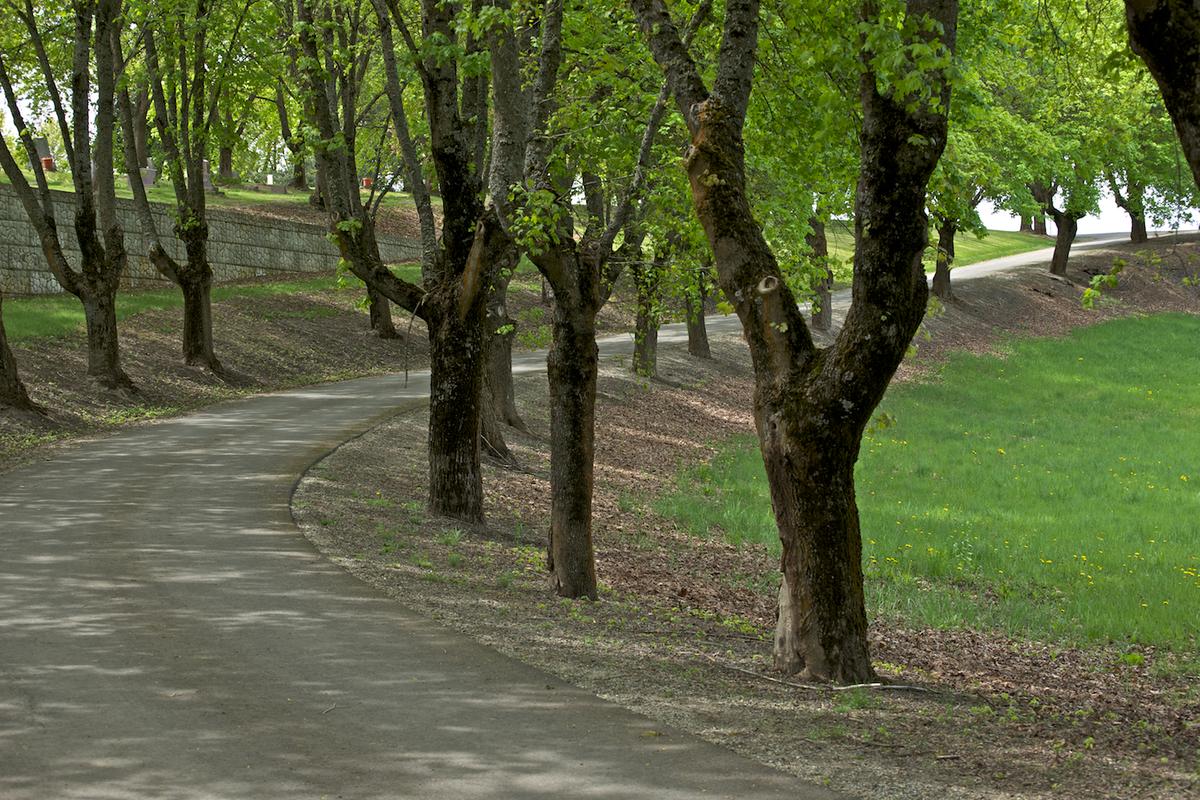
(165,632)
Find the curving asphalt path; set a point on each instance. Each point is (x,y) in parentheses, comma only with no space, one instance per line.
(165,632)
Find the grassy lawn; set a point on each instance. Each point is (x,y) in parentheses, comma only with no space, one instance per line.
(1053,494)
(969,249)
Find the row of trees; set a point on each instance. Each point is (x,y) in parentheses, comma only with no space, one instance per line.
(553,131)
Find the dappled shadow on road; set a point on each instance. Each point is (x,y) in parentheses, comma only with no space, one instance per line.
(168,634)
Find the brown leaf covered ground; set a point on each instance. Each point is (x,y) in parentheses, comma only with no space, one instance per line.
(681,632)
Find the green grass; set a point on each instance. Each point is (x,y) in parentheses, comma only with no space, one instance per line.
(1052,494)
(61,314)
(969,249)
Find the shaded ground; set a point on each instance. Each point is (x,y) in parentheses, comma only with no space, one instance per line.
(682,632)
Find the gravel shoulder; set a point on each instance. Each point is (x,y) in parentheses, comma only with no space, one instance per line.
(682,630)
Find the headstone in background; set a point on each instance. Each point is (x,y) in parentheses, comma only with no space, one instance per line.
(206,175)
(270,179)
(44,155)
(149,174)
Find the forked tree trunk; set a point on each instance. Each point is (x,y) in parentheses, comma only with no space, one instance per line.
(945,260)
(1039,225)
(646,277)
(12,391)
(697,330)
(818,242)
(811,404)
(455,387)
(572,365)
(1068,226)
(1026,225)
(381,315)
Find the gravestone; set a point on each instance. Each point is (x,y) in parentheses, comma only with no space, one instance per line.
(206,176)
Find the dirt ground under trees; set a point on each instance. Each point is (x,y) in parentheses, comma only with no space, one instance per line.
(682,630)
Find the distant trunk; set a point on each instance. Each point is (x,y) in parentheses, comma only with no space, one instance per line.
(12,391)
(381,315)
(1068,226)
(225,163)
(945,259)
(822,315)
(1027,224)
(1039,225)
(1137,229)
(697,330)
(501,331)
(141,128)
(647,278)
(299,177)
(573,366)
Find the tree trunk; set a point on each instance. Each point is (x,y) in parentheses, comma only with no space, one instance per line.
(381,315)
(1039,225)
(299,177)
(645,335)
(1166,34)
(821,628)
(573,365)
(195,279)
(945,259)
(225,162)
(501,330)
(197,323)
(1026,225)
(455,392)
(697,330)
(1137,229)
(1068,227)
(141,128)
(12,391)
(104,359)
(822,307)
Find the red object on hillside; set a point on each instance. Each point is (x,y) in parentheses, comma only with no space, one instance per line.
(48,164)
(367,183)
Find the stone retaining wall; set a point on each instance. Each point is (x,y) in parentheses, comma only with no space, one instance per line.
(239,247)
